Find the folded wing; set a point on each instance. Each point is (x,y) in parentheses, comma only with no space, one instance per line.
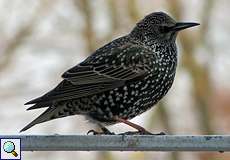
(89,78)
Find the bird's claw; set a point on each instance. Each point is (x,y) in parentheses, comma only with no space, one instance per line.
(160,134)
(93,132)
(99,133)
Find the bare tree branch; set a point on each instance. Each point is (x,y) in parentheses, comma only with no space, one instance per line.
(23,33)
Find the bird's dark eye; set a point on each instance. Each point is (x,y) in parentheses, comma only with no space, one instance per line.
(164,29)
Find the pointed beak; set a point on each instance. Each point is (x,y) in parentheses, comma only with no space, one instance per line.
(181,25)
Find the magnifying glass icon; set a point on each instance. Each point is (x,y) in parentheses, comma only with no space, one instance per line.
(9,147)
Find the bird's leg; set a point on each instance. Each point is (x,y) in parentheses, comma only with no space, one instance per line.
(141,130)
(106,131)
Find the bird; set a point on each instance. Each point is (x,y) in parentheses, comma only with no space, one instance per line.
(119,81)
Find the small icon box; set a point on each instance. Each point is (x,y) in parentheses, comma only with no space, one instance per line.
(10,149)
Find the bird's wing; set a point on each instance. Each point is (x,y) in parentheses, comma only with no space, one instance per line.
(90,78)
(120,63)
(103,73)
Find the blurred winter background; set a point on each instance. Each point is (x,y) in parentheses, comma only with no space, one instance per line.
(41,39)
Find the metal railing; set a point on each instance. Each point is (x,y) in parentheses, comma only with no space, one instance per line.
(219,143)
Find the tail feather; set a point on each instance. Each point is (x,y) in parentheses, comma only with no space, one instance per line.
(40,105)
(45,116)
(36,100)
(53,112)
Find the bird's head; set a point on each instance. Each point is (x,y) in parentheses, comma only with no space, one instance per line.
(159,26)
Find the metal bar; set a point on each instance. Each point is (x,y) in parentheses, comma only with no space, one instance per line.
(219,143)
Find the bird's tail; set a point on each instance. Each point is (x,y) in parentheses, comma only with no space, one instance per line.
(53,112)
(45,116)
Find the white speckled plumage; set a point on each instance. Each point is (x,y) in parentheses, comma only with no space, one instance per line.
(122,79)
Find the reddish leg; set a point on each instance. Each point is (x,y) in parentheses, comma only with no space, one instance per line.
(140,129)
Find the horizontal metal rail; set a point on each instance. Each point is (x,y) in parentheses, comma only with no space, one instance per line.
(219,143)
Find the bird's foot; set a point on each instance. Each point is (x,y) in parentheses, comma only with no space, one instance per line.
(142,133)
(105,131)
(160,134)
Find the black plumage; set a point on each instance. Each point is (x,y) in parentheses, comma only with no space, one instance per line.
(120,80)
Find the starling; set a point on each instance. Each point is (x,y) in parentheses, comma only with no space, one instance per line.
(120,80)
